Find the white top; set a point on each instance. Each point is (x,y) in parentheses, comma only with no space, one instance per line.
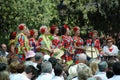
(20,77)
(12,75)
(101,75)
(44,76)
(58,78)
(27,63)
(114,50)
(75,78)
(115,77)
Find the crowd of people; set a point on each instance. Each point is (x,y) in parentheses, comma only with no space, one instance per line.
(53,57)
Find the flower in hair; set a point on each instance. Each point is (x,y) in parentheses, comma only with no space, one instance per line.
(75,29)
(32,32)
(21,27)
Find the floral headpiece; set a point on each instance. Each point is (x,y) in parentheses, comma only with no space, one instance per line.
(75,29)
(21,27)
(66,26)
(14,33)
(43,29)
(32,32)
(53,28)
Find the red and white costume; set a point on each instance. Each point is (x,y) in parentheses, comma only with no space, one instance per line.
(95,43)
(113,50)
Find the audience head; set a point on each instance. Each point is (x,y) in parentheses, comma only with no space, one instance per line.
(116,68)
(20,68)
(103,66)
(30,71)
(53,61)
(94,65)
(13,67)
(4,47)
(46,57)
(82,58)
(39,57)
(4,74)
(83,71)
(30,56)
(58,69)
(3,60)
(46,67)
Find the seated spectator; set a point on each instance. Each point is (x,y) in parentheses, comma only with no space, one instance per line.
(103,66)
(81,58)
(3,51)
(94,66)
(46,57)
(116,70)
(38,69)
(53,61)
(38,59)
(4,74)
(83,72)
(58,70)
(20,68)
(3,60)
(28,74)
(13,69)
(72,71)
(46,70)
(30,58)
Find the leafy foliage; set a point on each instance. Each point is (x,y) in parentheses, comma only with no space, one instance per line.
(98,14)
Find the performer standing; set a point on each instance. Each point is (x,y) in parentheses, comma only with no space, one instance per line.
(32,40)
(44,42)
(110,49)
(78,42)
(94,42)
(67,43)
(22,42)
(56,42)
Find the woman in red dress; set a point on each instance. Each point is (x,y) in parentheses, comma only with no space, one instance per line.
(94,42)
(56,42)
(78,41)
(67,43)
(32,40)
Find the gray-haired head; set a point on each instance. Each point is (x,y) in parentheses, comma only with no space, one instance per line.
(39,56)
(102,66)
(46,67)
(82,58)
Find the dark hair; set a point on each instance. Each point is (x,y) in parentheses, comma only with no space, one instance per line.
(109,74)
(58,69)
(39,56)
(12,35)
(3,67)
(20,68)
(30,69)
(53,61)
(116,68)
(102,66)
(28,59)
(64,30)
(39,68)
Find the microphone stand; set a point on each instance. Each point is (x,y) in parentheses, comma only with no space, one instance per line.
(92,47)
